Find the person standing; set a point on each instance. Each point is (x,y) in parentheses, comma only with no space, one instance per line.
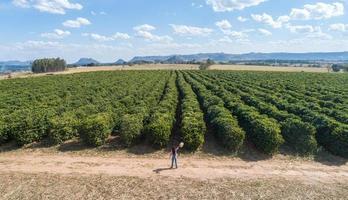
(174,156)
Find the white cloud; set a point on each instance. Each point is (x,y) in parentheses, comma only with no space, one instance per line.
(145,31)
(339,27)
(50,6)
(265,32)
(224,25)
(57,34)
(239,36)
(76,23)
(152,37)
(301,29)
(123,36)
(21,3)
(268,19)
(310,31)
(34,45)
(230,5)
(242,19)
(319,34)
(102,38)
(318,11)
(144,27)
(191,30)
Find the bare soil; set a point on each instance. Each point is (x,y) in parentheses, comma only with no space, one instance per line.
(72,171)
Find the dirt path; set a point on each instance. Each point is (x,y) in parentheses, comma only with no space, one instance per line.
(196,168)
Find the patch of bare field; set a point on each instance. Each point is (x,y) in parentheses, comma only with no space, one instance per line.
(74,171)
(75,186)
(267,68)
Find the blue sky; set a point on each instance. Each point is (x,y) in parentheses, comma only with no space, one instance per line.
(110,29)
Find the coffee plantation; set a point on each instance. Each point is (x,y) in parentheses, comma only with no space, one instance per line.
(265,111)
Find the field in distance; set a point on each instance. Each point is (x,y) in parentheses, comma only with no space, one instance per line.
(268,68)
(175,67)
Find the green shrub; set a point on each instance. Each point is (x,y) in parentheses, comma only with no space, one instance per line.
(28,126)
(130,128)
(338,144)
(226,127)
(63,128)
(266,135)
(192,125)
(300,136)
(159,129)
(3,131)
(192,130)
(95,129)
(162,119)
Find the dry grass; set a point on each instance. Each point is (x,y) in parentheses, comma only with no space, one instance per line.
(267,68)
(50,186)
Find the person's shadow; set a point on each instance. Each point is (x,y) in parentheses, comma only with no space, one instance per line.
(159,170)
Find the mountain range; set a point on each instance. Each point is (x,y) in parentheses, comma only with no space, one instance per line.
(86,61)
(223,57)
(12,66)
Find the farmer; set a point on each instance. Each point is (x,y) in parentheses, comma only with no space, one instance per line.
(174,154)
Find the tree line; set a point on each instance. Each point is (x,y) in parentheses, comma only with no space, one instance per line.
(48,65)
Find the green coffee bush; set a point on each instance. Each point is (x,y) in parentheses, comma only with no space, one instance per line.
(131,128)
(63,128)
(3,131)
(95,129)
(299,135)
(29,125)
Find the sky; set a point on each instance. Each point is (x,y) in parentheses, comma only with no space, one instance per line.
(107,30)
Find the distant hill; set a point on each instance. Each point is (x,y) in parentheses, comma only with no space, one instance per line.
(120,62)
(15,63)
(222,57)
(86,61)
(175,60)
(14,66)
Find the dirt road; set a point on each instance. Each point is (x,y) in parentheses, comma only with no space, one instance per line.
(196,168)
(65,176)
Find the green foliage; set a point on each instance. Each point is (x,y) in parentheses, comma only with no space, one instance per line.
(225,126)
(3,131)
(63,128)
(206,65)
(193,129)
(262,105)
(130,128)
(48,65)
(95,129)
(162,118)
(300,136)
(28,126)
(263,132)
(192,121)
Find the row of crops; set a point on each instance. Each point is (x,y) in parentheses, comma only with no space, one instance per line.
(301,110)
